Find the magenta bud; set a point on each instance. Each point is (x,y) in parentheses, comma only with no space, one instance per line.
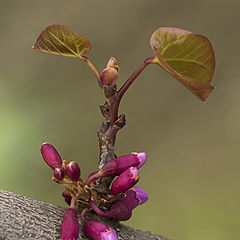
(122,209)
(65,194)
(142,157)
(58,173)
(67,197)
(51,156)
(125,181)
(98,231)
(70,227)
(72,170)
(118,165)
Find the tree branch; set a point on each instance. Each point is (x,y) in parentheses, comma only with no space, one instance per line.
(25,218)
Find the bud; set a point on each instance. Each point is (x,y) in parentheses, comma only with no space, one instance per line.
(51,156)
(113,63)
(72,170)
(70,227)
(125,181)
(109,74)
(98,231)
(122,209)
(67,197)
(58,173)
(118,165)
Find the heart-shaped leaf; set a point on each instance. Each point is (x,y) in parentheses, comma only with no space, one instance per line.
(188,57)
(60,40)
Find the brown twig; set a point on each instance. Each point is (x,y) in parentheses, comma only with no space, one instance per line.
(113,123)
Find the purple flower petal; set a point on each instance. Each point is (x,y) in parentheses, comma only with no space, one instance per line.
(98,231)
(70,226)
(125,181)
(143,158)
(141,194)
(51,156)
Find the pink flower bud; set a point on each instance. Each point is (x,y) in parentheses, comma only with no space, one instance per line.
(118,165)
(70,227)
(72,170)
(67,197)
(125,181)
(51,156)
(58,173)
(65,194)
(122,209)
(98,231)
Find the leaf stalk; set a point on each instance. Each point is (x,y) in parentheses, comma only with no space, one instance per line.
(92,67)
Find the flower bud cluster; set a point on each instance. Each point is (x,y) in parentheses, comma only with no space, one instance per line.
(119,200)
(62,171)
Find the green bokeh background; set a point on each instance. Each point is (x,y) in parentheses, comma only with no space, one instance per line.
(192,174)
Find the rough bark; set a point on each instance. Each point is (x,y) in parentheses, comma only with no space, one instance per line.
(25,218)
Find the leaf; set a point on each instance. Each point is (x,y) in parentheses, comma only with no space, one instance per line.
(60,40)
(188,57)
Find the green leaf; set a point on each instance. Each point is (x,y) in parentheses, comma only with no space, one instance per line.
(188,57)
(60,40)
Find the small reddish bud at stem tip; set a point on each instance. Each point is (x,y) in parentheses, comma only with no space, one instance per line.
(109,76)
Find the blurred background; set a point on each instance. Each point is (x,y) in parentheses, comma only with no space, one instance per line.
(192,174)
